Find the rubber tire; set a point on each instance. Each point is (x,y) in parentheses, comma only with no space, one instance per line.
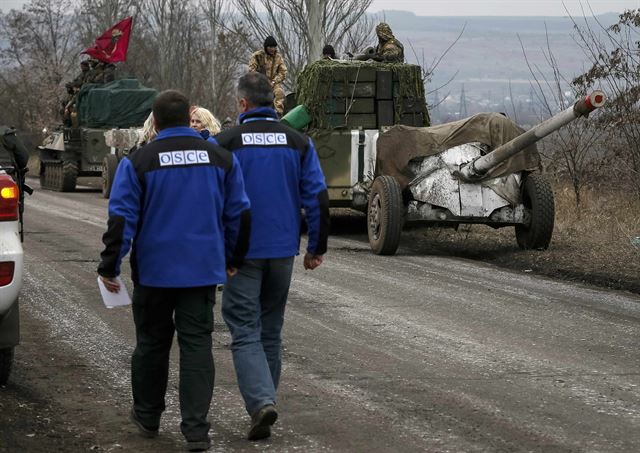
(384,232)
(6,361)
(537,196)
(109,165)
(69,176)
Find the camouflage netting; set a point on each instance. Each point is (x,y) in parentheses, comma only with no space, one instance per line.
(317,83)
(121,103)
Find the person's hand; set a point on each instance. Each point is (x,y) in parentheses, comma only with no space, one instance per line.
(111,284)
(231,271)
(312,261)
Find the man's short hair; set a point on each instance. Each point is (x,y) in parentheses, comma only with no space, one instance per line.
(256,88)
(171,109)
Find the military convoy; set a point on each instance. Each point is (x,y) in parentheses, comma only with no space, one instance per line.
(81,149)
(369,124)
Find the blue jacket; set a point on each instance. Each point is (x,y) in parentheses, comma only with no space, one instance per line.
(179,201)
(282,175)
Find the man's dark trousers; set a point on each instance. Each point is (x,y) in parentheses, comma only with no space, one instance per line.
(157,312)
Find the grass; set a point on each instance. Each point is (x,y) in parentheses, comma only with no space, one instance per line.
(593,244)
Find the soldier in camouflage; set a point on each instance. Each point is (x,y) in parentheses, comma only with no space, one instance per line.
(388,50)
(84,70)
(270,63)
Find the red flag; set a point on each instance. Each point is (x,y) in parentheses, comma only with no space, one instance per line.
(113,44)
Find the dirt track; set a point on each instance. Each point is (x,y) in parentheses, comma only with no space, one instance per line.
(409,353)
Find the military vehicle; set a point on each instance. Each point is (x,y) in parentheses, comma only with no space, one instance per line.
(388,164)
(81,150)
(346,104)
(120,142)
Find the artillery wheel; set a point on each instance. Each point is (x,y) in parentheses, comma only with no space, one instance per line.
(385,215)
(109,165)
(537,196)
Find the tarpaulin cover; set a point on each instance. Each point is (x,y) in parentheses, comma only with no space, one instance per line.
(121,103)
(400,144)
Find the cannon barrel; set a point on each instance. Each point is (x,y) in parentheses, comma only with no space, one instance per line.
(479,167)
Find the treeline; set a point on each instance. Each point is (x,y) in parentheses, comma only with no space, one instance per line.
(197,46)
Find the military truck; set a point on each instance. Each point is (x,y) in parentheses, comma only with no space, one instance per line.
(370,126)
(346,104)
(81,150)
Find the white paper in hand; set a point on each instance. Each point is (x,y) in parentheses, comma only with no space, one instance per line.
(114,299)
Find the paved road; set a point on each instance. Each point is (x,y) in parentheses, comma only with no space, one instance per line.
(404,353)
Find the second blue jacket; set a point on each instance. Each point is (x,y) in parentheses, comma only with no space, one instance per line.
(282,174)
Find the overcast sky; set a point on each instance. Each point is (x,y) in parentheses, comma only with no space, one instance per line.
(504,7)
(476,7)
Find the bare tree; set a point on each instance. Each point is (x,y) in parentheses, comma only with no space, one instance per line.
(95,16)
(572,152)
(225,55)
(614,53)
(38,55)
(294,24)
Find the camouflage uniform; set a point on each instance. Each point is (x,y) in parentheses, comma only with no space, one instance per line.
(96,75)
(274,68)
(109,74)
(80,79)
(389,49)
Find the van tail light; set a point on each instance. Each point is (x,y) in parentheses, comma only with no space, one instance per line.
(9,199)
(6,272)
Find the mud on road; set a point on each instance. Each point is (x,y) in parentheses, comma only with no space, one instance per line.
(423,351)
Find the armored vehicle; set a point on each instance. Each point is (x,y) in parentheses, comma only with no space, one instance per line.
(81,150)
(388,163)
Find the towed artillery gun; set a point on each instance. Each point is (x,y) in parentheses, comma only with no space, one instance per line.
(80,150)
(366,120)
(470,183)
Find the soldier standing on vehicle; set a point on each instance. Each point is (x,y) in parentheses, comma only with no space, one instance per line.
(388,50)
(328,52)
(270,63)
(179,202)
(89,75)
(84,70)
(282,174)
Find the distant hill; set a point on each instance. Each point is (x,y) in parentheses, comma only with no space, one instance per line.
(489,56)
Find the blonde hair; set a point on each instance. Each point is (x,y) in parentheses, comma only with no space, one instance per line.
(148,131)
(209,122)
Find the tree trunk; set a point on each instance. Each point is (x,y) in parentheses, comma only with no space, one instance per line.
(316,9)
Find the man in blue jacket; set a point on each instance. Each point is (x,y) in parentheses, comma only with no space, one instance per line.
(179,203)
(282,175)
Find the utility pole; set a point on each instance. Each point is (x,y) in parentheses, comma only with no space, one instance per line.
(463,104)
